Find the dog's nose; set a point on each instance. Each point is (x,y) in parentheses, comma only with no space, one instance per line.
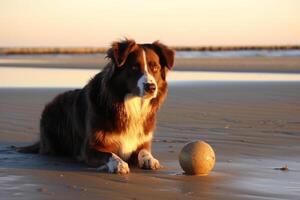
(149,87)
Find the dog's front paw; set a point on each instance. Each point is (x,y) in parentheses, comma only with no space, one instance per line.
(147,161)
(115,165)
(118,167)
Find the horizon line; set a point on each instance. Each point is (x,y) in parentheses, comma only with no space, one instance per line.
(94,50)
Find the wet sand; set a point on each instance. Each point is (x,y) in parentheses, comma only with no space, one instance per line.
(98,61)
(253,127)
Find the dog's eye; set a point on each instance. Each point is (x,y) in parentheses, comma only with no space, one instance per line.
(134,67)
(154,68)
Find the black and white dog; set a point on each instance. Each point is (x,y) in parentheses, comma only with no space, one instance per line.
(110,122)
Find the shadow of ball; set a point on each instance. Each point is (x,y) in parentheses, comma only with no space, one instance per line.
(197,158)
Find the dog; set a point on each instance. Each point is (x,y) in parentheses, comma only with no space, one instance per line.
(109,123)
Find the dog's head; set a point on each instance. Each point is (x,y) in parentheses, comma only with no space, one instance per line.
(140,69)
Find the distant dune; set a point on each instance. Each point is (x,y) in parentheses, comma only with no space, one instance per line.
(93,50)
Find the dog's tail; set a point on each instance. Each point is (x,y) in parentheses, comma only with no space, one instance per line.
(34,148)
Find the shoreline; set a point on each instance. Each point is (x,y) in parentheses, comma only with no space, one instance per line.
(234,64)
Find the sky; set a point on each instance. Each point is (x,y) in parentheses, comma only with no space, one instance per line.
(174,22)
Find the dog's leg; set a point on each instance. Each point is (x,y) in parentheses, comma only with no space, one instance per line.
(143,158)
(115,165)
(146,160)
(107,162)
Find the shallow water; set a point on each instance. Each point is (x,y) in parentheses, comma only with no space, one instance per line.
(240,53)
(62,78)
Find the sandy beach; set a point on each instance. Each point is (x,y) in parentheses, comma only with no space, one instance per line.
(252,126)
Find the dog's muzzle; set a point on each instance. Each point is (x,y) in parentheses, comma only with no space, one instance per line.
(149,88)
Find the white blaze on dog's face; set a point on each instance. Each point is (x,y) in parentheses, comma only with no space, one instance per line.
(146,83)
(141,75)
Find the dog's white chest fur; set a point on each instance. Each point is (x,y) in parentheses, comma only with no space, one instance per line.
(137,110)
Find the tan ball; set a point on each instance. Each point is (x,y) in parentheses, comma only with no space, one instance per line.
(197,158)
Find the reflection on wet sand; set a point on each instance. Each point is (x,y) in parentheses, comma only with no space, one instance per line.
(63,78)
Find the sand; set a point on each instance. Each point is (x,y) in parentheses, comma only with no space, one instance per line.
(97,61)
(253,127)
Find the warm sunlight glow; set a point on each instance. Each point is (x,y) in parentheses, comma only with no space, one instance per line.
(189,22)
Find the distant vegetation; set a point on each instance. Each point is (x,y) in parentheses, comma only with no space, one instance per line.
(93,50)
(237,48)
(51,50)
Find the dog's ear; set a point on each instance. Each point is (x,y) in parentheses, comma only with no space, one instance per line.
(119,51)
(166,54)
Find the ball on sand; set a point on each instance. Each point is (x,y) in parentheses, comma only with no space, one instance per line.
(197,158)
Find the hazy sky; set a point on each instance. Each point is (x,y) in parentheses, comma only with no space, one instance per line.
(175,22)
